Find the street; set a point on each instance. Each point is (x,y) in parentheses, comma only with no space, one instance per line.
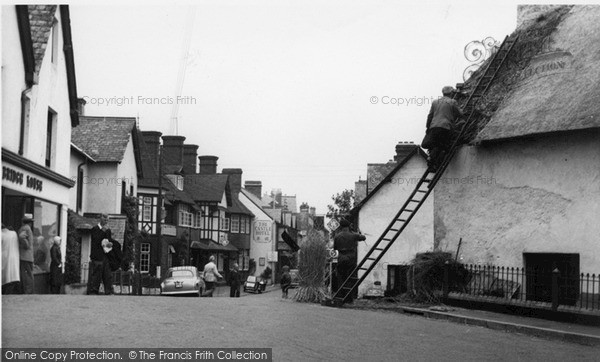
(295,331)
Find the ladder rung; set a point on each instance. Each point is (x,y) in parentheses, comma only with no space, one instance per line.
(395,230)
(413,200)
(378,249)
(421,191)
(401,220)
(407,210)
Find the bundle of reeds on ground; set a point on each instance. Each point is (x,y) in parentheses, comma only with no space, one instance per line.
(426,275)
(311,269)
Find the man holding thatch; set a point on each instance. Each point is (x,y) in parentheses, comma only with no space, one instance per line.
(442,118)
(346,243)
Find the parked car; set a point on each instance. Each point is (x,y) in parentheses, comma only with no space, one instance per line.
(182,280)
(254,285)
(295,278)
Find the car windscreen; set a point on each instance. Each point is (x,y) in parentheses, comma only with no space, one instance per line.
(181,274)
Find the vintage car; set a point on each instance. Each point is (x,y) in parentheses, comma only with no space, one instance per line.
(254,285)
(182,280)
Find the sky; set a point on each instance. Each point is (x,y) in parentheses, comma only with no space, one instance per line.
(300,95)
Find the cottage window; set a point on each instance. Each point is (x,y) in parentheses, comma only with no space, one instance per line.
(54,42)
(50,137)
(235,224)
(147,209)
(225,224)
(145,257)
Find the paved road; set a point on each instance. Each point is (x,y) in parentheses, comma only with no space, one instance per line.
(296,332)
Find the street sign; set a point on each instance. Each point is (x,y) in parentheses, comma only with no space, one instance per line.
(332,255)
(333,224)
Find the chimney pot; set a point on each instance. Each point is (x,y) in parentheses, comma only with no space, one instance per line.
(208,165)
(254,187)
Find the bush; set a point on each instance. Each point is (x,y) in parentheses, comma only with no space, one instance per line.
(426,276)
(73,257)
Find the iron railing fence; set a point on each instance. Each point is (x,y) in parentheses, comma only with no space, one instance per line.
(565,289)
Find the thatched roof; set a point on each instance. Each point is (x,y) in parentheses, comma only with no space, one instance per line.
(550,81)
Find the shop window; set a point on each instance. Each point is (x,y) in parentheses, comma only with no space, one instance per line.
(45,228)
(145,257)
(244,259)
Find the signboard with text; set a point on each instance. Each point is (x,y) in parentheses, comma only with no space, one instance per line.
(263,231)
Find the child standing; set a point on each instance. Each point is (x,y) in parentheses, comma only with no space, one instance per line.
(286,281)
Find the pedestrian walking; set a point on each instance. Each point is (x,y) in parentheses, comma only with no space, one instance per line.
(26,254)
(56,275)
(441,121)
(286,281)
(211,275)
(10,261)
(234,281)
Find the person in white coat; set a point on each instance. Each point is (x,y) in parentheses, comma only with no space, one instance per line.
(211,274)
(10,261)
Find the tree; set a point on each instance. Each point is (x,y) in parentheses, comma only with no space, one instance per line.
(342,203)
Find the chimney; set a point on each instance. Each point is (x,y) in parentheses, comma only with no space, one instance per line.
(312,211)
(173,150)
(235,179)
(360,191)
(152,140)
(190,157)
(254,187)
(208,165)
(403,149)
(304,208)
(276,194)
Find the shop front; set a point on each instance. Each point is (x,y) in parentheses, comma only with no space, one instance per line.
(30,188)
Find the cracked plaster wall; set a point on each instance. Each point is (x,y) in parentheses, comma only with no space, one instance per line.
(532,195)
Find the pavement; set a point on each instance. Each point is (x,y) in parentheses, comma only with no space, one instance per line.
(568,332)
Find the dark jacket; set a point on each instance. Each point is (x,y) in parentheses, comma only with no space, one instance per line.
(286,281)
(234,279)
(346,242)
(55,270)
(97,253)
(444,113)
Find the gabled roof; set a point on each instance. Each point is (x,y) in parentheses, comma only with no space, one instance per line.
(416,151)
(35,24)
(549,81)
(174,194)
(207,188)
(255,200)
(104,138)
(238,208)
(81,152)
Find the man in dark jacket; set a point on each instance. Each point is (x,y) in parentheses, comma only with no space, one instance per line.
(442,119)
(346,243)
(99,264)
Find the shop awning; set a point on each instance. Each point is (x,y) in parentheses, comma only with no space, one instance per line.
(211,246)
(288,240)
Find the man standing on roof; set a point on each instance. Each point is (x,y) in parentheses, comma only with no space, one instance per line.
(346,243)
(442,119)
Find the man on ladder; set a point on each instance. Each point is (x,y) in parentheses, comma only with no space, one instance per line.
(441,121)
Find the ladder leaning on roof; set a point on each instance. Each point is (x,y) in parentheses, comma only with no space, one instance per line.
(425,184)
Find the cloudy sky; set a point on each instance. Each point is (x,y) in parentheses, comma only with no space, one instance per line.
(299,94)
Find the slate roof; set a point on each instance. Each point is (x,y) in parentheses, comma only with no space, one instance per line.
(41,19)
(388,177)
(238,208)
(104,138)
(207,188)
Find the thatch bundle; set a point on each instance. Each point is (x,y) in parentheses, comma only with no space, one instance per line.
(311,269)
(426,275)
